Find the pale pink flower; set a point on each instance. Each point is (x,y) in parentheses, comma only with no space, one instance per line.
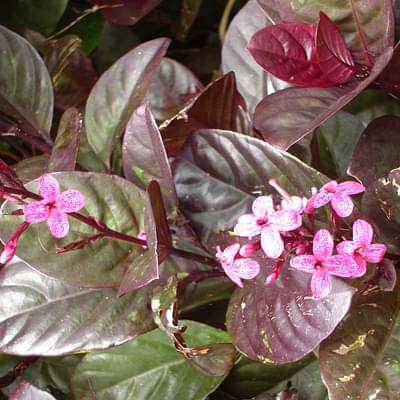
(54,206)
(360,248)
(268,223)
(236,267)
(294,203)
(322,264)
(338,194)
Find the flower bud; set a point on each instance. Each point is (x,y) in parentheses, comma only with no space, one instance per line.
(249,249)
(8,251)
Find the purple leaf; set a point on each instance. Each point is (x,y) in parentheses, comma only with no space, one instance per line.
(109,199)
(377,151)
(126,12)
(282,322)
(65,149)
(144,269)
(381,202)
(143,148)
(360,359)
(218,174)
(216,107)
(72,319)
(285,117)
(288,52)
(26,92)
(253,81)
(171,89)
(334,57)
(133,72)
(26,391)
(31,168)
(389,79)
(367,25)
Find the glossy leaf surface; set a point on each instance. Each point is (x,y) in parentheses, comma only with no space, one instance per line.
(118,92)
(72,319)
(26,92)
(115,201)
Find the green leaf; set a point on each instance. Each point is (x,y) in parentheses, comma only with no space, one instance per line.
(361,359)
(26,92)
(219,173)
(71,319)
(249,378)
(38,15)
(118,92)
(381,202)
(65,149)
(147,367)
(110,199)
(337,139)
(377,151)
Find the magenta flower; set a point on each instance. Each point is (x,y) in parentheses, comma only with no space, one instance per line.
(338,194)
(360,248)
(54,206)
(268,223)
(235,266)
(322,264)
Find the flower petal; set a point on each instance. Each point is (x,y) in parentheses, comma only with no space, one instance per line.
(58,224)
(342,205)
(263,206)
(285,221)
(246,268)
(374,253)
(70,201)
(323,244)
(48,187)
(320,284)
(247,226)
(351,187)
(303,263)
(343,265)
(228,255)
(346,247)
(36,212)
(320,199)
(294,203)
(362,232)
(271,242)
(234,278)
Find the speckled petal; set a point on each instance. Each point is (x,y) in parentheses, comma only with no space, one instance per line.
(70,201)
(263,206)
(271,242)
(362,232)
(303,263)
(322,244)
(351,187)
(48,187)
(320,284)
(247,226)
(246,268)
(342,204)
(58,224)
(36,212)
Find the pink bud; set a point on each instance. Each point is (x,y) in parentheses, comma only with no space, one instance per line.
(142,236)
(300,249)
(271,278)
(8,251)
(249,249)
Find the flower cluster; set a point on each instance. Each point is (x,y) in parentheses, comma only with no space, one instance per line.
(280,232)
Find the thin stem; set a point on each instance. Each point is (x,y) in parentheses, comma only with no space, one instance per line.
(17,371)
(225,19)
(194,257)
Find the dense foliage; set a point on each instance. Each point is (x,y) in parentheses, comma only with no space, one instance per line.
(200,199)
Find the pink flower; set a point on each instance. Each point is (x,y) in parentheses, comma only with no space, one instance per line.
(54,206)
(322,264)
(236,267)
(268,223)
(294,203)
(361,248)
(338,194)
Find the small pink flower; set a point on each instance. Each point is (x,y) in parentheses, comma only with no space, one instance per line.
(54,206)
(236,267)
(322,264)
(338,194)
(268,223)
(361,248)
(294,203)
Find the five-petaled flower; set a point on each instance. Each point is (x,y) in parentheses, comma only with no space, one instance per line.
(268,223)
(322,264)
(360,248)
(338,195)
(235,266)
(54,206)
